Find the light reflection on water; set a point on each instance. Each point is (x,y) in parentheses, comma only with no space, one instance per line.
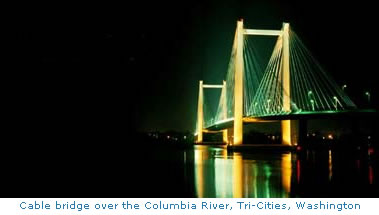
(308,173)
(222,174)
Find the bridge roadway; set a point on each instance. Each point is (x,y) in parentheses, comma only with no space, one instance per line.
(358,113)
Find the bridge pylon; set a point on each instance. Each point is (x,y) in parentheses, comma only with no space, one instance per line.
(225,138)
(234,135)
(200,111)
(200,114)
(290,128)
(238,86)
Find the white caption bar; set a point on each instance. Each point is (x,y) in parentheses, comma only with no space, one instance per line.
(188,206)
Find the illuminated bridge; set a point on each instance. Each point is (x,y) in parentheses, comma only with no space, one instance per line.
(291,87)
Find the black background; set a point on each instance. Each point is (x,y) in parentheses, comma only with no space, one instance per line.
(84,78)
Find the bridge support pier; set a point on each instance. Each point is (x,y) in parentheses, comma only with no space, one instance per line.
(225,136)
(229,132)
(290,132)
(294,132)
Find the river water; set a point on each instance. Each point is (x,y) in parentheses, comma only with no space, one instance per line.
(160,170)
(216,172)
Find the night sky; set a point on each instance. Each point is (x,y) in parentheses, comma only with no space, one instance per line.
(83,79)
(111,69)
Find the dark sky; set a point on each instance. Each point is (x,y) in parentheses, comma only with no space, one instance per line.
(117,67)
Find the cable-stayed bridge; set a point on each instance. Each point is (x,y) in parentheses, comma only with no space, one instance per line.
(292,86)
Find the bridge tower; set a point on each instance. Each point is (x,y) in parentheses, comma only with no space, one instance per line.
(200,114)
(290,128)
(200,110)
(238,86)
(224,112)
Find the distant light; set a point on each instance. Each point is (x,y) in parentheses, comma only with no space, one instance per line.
(310,92)
(185,137)
(330,137)
(334,97)
(323,138)
(369,137)
(370,151)
(168,137)
(368,96)
(314,134)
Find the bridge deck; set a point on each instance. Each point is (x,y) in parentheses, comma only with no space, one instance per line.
(296,116)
